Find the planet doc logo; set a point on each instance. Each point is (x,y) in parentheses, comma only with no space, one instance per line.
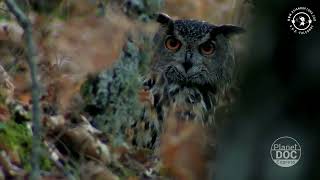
(301,20)
(285,151)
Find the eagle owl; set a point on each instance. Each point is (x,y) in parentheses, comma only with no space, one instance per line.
(193,63)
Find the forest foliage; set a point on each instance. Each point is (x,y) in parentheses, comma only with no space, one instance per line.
(92,57)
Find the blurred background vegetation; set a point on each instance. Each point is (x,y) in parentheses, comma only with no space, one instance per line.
(92,58)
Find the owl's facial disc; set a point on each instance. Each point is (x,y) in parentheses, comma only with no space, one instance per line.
(193,53)
(196,76)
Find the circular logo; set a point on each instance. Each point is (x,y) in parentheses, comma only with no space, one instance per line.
(285,151)
(301,20)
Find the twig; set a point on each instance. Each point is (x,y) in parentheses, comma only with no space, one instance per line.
(31,52)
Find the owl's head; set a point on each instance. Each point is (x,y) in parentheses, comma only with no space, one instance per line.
(193,53)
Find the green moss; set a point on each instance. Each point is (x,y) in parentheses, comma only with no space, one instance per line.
(2,97)
(18,138)
(111,97)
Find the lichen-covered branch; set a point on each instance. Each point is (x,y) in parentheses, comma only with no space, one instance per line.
(31,53)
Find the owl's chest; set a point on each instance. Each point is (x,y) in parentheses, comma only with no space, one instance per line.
(167,101)
(184,102)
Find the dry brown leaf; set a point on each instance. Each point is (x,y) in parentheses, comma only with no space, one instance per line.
(133,178)
(81,141)
(119,152)
(6,84)
(217,12)
(13,154)
(8,167)
(22,84)
(60,91)
(187,8)
(144,96)
(92,170)
(11,31)
(182,149)
(4,114)
(91,43)
(54,123)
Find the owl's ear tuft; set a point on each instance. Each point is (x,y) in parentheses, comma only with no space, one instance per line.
(227,30)
(164,19)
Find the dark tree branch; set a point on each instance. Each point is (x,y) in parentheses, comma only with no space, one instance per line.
(32,59)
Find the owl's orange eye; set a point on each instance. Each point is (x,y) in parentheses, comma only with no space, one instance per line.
(172,43)
(207,48)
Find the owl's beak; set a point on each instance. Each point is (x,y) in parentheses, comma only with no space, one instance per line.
(187,64)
